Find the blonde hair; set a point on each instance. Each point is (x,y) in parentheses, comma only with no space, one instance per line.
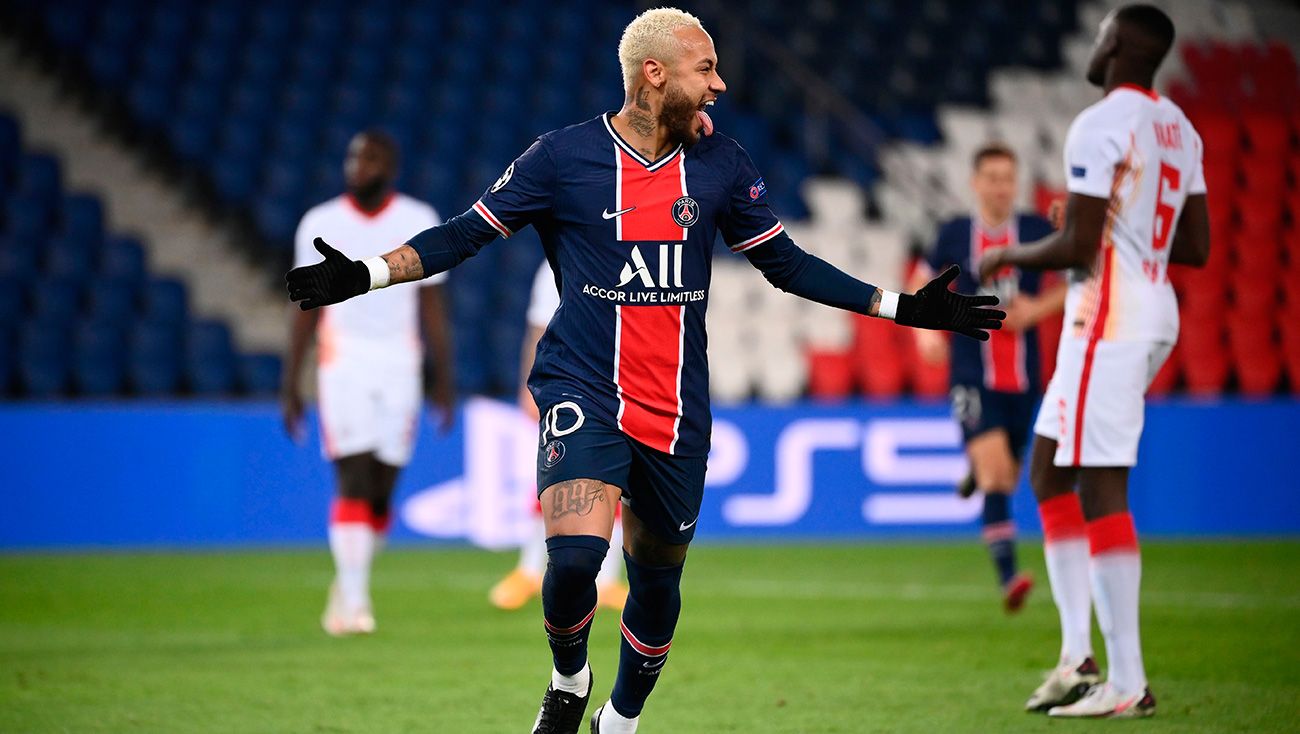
(650,36)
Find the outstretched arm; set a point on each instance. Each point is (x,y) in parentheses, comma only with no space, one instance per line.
(437,249)
(1074,245)
(788,267)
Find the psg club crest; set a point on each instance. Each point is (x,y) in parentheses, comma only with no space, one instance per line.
(685,211)
(553,453)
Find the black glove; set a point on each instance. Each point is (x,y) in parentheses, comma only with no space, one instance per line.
(334,280)
(936,307)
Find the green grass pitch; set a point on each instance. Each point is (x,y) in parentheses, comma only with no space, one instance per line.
(841,638)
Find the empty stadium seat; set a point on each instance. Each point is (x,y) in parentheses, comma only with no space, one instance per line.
(43,358)
(259,374)
(99,359)
(155,366)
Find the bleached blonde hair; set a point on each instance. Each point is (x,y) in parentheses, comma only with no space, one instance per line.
(650,36)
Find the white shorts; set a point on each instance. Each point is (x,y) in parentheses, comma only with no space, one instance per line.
(366,408)
(1094,405)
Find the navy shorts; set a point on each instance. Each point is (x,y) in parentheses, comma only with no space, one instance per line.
(980,410)
(664,491)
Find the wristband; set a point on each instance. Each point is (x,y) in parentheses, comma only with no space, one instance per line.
(888,305)
(379,273)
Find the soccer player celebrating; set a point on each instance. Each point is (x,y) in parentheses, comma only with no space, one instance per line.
(369,377)
(628,205)
(995,384)
(525,580)
(1137,203)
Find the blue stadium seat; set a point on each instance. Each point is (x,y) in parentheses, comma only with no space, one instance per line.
(259,374)
(69,27)
(170,25)
(165,301)
(83,219)
(112,300)
(8,355)
(44,362)
(151,100)
(55,300)
(210,358)
(123,258)
(19,259)
(99,358)
(11,300)
(109,64)
(28,217)
(70,259)
(155,361)
(192,137)
(39,175)
(235,178)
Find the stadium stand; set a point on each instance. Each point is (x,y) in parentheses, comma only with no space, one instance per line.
(80,312)
(252,105)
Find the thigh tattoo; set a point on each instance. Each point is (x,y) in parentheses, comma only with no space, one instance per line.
(576,497)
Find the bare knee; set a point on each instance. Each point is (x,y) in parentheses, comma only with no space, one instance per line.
(1047,479)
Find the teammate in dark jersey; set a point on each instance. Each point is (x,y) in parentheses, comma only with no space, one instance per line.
(995,383)
(627,206)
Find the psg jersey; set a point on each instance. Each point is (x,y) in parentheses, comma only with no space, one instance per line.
(1008,361)
(630,241)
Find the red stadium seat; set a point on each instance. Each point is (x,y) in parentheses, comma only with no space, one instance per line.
(1262,175)
(1258,252)
(1256,358)
(1291,348)
(878,359)
(1203,354)
(1220,135)
(927,380)
(1255,293)
(830,375)
(1269,134)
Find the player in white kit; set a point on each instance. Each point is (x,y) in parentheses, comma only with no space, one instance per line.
(369,372)
(1137,203)
(525,581)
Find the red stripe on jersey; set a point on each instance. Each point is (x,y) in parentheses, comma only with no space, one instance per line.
(648,372)
(491,218)
(1004,352)
(758,239)
(651,194)
(1098,328)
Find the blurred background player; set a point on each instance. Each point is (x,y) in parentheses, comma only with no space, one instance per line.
(1137,204)
(525,581)
(369,372)
(995,384)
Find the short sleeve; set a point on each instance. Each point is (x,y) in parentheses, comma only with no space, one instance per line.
(545,297)
(1091,154)
(523,193)
(749,221)
(304,252)
(426,217)
(1196,185)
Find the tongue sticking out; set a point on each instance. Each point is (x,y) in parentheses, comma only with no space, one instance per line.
(706,123)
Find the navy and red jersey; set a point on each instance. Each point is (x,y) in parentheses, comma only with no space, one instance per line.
(1008,361)
(631,242)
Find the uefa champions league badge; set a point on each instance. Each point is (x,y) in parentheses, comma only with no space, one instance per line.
(553,453)
(685,211)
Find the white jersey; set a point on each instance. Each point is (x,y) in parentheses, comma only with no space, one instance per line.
(383,327)
(1139,151)
(545,297)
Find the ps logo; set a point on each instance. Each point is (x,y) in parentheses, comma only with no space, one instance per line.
(505,179)
(685,211)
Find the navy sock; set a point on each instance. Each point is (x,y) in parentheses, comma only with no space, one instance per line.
(1000,534)
(653,602)
(569,596)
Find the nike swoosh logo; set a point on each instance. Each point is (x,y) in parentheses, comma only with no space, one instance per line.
(652,665)
(607,214)
(686,526)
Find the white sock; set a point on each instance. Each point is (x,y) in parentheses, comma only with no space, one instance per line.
(1116,579)
(611,567)
(1067,570)
(578,684)
(353,546)
(532,554)
(612,722)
